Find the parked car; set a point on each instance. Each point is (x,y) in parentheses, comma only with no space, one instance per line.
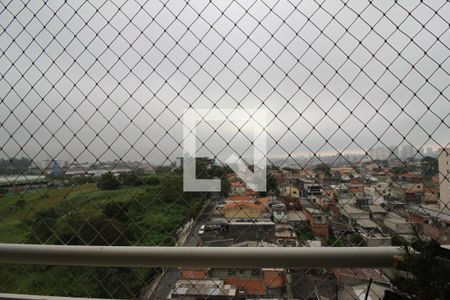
(202,230)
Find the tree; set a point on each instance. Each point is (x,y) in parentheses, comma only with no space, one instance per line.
(118,282)
(271,183)
(163,169)
(116,210)
(131,179)
(427,270)
(108,182)
(225,186)
(101,231)
(404,168)
(324,169)
(14,166)
(79,180)
(152,180)
(429,166)
(203,167)
(76,229)
(273,167)
(43,226)
(171,190)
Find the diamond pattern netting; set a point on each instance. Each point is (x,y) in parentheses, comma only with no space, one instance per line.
(101,87)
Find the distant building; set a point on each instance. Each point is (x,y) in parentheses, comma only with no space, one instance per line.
(444,177)
(407,151)
(393,151)
(46,164)
(421,153)
(179,162)
(379,153)
(429,152)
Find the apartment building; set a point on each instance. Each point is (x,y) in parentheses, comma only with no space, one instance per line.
(444,177)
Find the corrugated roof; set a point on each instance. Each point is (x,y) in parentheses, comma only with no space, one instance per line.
(244,204)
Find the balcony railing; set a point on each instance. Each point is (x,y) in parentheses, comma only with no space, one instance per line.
(200,257)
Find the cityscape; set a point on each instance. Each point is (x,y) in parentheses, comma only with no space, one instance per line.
(225,150)
(377,201)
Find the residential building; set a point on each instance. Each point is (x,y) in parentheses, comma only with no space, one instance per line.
(434,221)
(352,214)
(290,190)
(279,212)
(241,283)
(242,210)
(296,218)
(240,198)
(253,282)
(377,213)
(317,220)
(397,225)
(200,289)
(324,201)
(297,188)
(238,230)
(444,177)
(285,235)
(240,188)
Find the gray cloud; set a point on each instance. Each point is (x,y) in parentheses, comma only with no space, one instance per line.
(80,77)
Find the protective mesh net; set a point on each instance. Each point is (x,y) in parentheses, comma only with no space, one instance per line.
(91,134)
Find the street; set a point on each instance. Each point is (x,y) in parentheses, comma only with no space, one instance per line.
(170,277)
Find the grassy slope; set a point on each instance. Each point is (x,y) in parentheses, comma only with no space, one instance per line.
(153,222)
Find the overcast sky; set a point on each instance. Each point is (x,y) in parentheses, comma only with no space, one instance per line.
(111,80)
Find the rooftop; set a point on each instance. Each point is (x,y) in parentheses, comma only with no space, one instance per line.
(203,287)
(296,215)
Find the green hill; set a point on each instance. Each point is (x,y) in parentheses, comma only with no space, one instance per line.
(146,215)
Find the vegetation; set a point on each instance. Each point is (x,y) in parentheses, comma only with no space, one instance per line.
(335,242)
(403,169)
(131,179)
(323,168)
(305,234)
(429,167)
(358,240)
(427,270)
(14,166)
(84,214)
(152,180)
(108,182)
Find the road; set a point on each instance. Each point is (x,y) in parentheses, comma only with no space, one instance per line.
(171,275)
